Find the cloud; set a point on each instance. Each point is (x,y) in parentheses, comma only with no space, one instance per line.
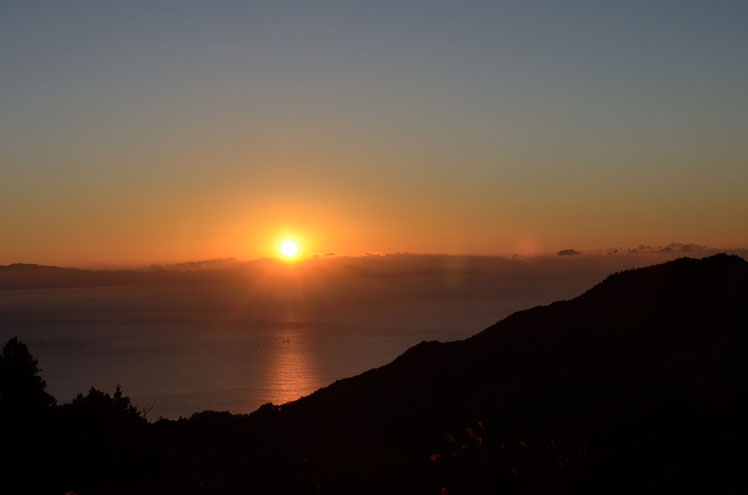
(568,252)
(683,248)
(673,247)
(216,263)
(643,248)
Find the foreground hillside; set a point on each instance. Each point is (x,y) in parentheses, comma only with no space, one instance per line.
(636,385)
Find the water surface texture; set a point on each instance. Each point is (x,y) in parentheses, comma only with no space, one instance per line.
(236,346)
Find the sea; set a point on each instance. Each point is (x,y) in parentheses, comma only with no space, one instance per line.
(177,350)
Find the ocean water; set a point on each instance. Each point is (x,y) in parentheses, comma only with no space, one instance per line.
(235,347)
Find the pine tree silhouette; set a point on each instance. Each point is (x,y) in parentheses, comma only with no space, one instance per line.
(22,390)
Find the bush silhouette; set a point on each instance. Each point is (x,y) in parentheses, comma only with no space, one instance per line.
(114,408)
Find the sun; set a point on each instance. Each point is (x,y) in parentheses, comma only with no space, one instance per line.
(289,248)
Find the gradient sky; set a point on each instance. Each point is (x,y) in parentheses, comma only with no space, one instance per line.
(139,132)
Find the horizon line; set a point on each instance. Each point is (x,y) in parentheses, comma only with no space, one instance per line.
(643,249)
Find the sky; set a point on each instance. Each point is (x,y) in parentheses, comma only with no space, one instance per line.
(152,132)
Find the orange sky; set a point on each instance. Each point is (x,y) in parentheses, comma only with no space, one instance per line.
(130,137)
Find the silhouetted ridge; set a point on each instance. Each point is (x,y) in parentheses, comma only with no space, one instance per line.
(679,283)
(635,358)
(714,270)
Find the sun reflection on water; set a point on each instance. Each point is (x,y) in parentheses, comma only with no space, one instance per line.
(290,372)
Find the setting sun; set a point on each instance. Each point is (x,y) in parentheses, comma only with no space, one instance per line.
(289,248)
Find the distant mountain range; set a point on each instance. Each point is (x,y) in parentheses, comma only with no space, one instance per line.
(31,276)
(529,270)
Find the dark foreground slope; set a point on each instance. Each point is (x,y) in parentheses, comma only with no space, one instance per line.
(639,381)
(638,385)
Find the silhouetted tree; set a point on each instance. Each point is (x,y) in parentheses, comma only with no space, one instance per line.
(104,435)
(104,407)
(22,390)
(25,415)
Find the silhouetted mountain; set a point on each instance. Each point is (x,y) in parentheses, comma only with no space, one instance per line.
(637,385)
(646,372)
(30,276)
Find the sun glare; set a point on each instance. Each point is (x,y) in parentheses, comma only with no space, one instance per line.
(289,248)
